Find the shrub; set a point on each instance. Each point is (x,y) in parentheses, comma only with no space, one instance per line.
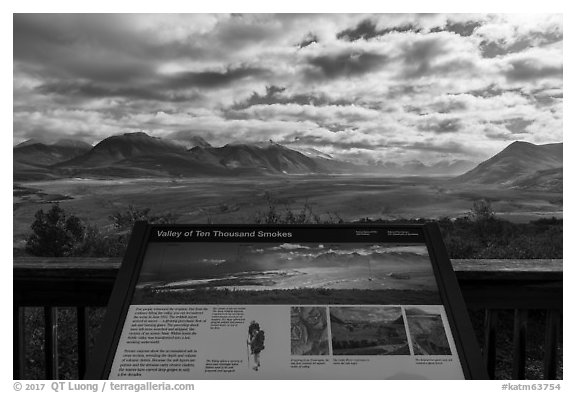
(479,235)
(101,243)
(481,210)
(113,242)
(274,214)
(124,220)
(58,234)
(494,238)
(54,233)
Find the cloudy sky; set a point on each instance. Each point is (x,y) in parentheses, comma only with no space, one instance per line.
(365,88)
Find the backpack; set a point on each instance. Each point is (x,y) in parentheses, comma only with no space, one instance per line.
(259,341)
(253,326)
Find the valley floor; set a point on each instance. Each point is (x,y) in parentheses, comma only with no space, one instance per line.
(238,200)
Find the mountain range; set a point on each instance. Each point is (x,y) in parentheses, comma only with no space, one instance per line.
(521,165)
(131,155)
(138,154)
(40,154)
(32,159)
(442,168)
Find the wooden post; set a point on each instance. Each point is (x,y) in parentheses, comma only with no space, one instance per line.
(18,342)
(51,342)
(490,321)
(519,344)
(550,344)
(82,330)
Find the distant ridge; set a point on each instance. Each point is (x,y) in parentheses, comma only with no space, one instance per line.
(415,167)
(138,154)
(28,142)
(268,157)
(197,141)
(120,147)
(518,165)
(36,153)
(81,145)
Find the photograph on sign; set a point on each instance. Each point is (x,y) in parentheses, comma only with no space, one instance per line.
(287,273)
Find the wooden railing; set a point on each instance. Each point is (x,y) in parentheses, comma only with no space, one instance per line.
(492,285)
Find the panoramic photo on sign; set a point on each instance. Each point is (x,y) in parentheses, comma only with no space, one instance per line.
(316,302)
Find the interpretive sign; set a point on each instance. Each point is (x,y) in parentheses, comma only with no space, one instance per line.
(286,302)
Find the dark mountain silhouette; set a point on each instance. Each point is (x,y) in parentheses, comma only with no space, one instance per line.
(138,154)
(131,155)
(32,141)
(269,157)
(32,159)
(121,147)
(520,164)
(197,141)
(191,141)
(40,154)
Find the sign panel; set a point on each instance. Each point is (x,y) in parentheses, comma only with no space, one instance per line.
(287,302)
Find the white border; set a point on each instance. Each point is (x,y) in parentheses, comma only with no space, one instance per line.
(549,6)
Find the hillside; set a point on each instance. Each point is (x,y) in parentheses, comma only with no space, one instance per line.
(131,155)
(520,164)
(545,180)
(270,157)
(140,155)
(39,154)
(121,147)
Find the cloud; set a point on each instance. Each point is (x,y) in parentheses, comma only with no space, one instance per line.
(160,88)
(347,64)
(440,126)
(308,40)
(212,79)
(319,114)
(90,90)
(531,69)
(464,29)
(448,104)
(450,147)
(82,46)
(517,125)
(275,95)
(419,55)
(363,87)
(491,49)
(510,29)
(339,144)
(367,29)
(497,134)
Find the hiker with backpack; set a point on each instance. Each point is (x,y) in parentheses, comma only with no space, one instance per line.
(255,342)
